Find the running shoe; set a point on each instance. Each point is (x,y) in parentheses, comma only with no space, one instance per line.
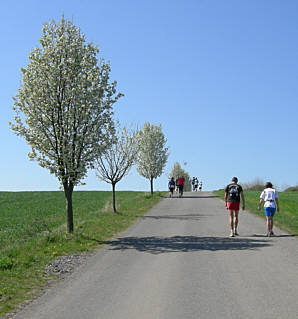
(235,233)
(232,234)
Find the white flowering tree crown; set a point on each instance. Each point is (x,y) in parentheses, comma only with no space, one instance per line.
(153,153)
(64,105)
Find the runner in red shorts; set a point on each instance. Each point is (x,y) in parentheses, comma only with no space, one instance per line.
(233,192)
(180,184)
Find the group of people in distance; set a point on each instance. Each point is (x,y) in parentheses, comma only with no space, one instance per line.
(178,185)
(196,184)
(233,193)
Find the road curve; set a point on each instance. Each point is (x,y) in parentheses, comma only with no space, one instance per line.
(177,262)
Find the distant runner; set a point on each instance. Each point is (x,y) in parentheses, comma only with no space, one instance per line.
(200,186)
(176,189)
(270,198)
(171,186)
(180,184)
(193,183)
(233,192)
(196,184)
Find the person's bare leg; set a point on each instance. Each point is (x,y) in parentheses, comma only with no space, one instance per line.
(236,221)
(270,227)
(231,220)
(268,224)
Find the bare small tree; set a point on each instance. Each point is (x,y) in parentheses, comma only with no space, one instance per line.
(116,161)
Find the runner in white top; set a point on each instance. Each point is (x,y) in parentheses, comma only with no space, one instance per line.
(196,184)
(200,186)
(270,198)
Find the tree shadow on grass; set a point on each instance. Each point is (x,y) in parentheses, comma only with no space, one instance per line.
(160,245)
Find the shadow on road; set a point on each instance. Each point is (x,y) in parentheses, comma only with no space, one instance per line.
(178,217)
(193,197)
(160,245)
(276,236)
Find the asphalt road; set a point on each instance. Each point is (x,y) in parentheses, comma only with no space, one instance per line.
(177,262)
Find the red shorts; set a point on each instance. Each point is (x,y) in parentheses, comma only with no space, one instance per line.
(233,205)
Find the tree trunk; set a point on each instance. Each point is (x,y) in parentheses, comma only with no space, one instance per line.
(151,184)
(68,189)
(114,197)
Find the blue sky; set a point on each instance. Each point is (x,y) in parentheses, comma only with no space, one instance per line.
(220,76)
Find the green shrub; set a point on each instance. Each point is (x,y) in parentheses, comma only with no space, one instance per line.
(6,263)
(292,189)
(256,185)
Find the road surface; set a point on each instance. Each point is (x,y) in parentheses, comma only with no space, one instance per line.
(177,262)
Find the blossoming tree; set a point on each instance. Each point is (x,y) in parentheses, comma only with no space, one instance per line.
(64,105)
(153,153)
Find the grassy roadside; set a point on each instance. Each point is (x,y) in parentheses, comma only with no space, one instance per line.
(286,219)
(33,233)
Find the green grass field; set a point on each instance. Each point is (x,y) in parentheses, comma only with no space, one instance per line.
(33,232)
(286,219)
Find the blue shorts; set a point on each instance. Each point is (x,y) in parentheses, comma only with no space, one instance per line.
(269,211)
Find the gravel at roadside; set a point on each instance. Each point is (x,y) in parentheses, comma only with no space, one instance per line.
(66,264)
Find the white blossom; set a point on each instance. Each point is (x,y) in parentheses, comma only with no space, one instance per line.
(64,105)
(153,154)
